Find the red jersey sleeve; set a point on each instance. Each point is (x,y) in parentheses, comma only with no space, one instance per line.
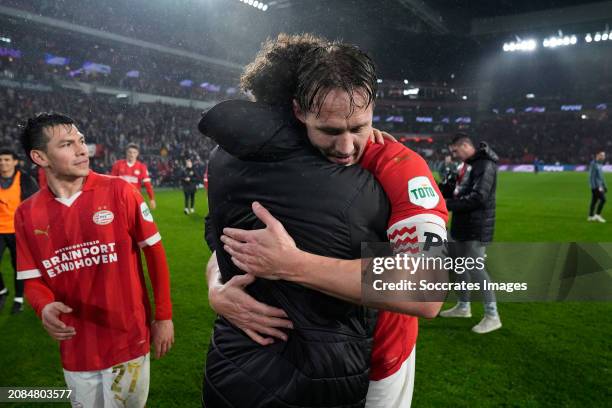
(417,206)
(141,226)
(26,264)
(146,179)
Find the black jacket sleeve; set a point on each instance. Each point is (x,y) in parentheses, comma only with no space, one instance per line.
(210,233)
(28,186)
(253,131)
(482,179)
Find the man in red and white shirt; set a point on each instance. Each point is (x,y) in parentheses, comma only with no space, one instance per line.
(78,250)
(134,172)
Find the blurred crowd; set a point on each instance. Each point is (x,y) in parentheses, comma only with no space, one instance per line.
(167,135)
(118,65)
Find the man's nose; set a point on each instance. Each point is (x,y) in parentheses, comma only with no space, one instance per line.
(345,144)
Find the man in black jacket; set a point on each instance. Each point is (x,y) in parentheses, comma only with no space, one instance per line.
(473,223)
(330,209)
(15,186)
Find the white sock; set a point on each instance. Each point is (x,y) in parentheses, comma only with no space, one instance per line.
(4,291)
(18,299)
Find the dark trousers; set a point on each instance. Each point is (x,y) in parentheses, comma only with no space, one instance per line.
(189,198)
(597,196)
(8,241)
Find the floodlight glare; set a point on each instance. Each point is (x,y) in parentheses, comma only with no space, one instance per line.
(588,38)
(597,37)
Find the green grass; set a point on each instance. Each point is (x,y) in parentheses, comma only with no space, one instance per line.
(545,355)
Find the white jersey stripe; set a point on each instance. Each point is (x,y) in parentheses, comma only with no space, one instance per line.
(152,240)
(29,274)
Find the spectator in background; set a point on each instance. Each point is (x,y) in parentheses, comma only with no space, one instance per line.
(598,187)
(134,172)
(473,222)
(15,187)
(189,180)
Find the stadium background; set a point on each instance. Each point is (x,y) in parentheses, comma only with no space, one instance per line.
(126,74)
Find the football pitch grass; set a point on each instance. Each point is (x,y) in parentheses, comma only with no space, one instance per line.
(546,354)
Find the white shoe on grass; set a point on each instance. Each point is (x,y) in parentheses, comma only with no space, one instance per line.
(599,218)
(591,218)
(487,324)
(457,311)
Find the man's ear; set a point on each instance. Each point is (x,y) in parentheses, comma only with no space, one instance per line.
(39,157)
(298,112)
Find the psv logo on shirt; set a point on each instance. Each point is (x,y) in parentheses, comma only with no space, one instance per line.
(103,217)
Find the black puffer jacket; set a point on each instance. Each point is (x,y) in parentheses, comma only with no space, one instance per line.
(329,210)
(473,206)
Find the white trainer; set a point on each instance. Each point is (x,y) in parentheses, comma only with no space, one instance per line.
(599,218)
(487,324)
(591,218)
(457,311)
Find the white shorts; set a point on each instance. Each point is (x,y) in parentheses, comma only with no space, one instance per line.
(124,385)
(396,390)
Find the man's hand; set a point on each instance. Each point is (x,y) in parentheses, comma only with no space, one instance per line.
(152,204)
(53,325)
(379,137)
(162,336)
(266,253)
(256,319)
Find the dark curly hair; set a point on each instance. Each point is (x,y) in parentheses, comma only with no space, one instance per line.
(272,76)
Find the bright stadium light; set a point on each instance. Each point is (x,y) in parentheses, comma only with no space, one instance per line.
(405,82)
(259,5)
(559,41)
(604,37)
(588,38)
(597,37)
(521,45)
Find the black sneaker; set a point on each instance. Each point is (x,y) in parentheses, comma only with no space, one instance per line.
(17,307)
(3,298)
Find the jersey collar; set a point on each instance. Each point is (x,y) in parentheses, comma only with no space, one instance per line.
(90,183)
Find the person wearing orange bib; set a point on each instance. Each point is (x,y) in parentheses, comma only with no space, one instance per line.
(15,187)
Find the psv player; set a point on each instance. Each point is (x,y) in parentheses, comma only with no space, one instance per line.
(134,172)
(78,250)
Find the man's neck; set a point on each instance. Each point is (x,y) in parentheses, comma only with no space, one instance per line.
(8,174)
(131,163)
(65,187)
